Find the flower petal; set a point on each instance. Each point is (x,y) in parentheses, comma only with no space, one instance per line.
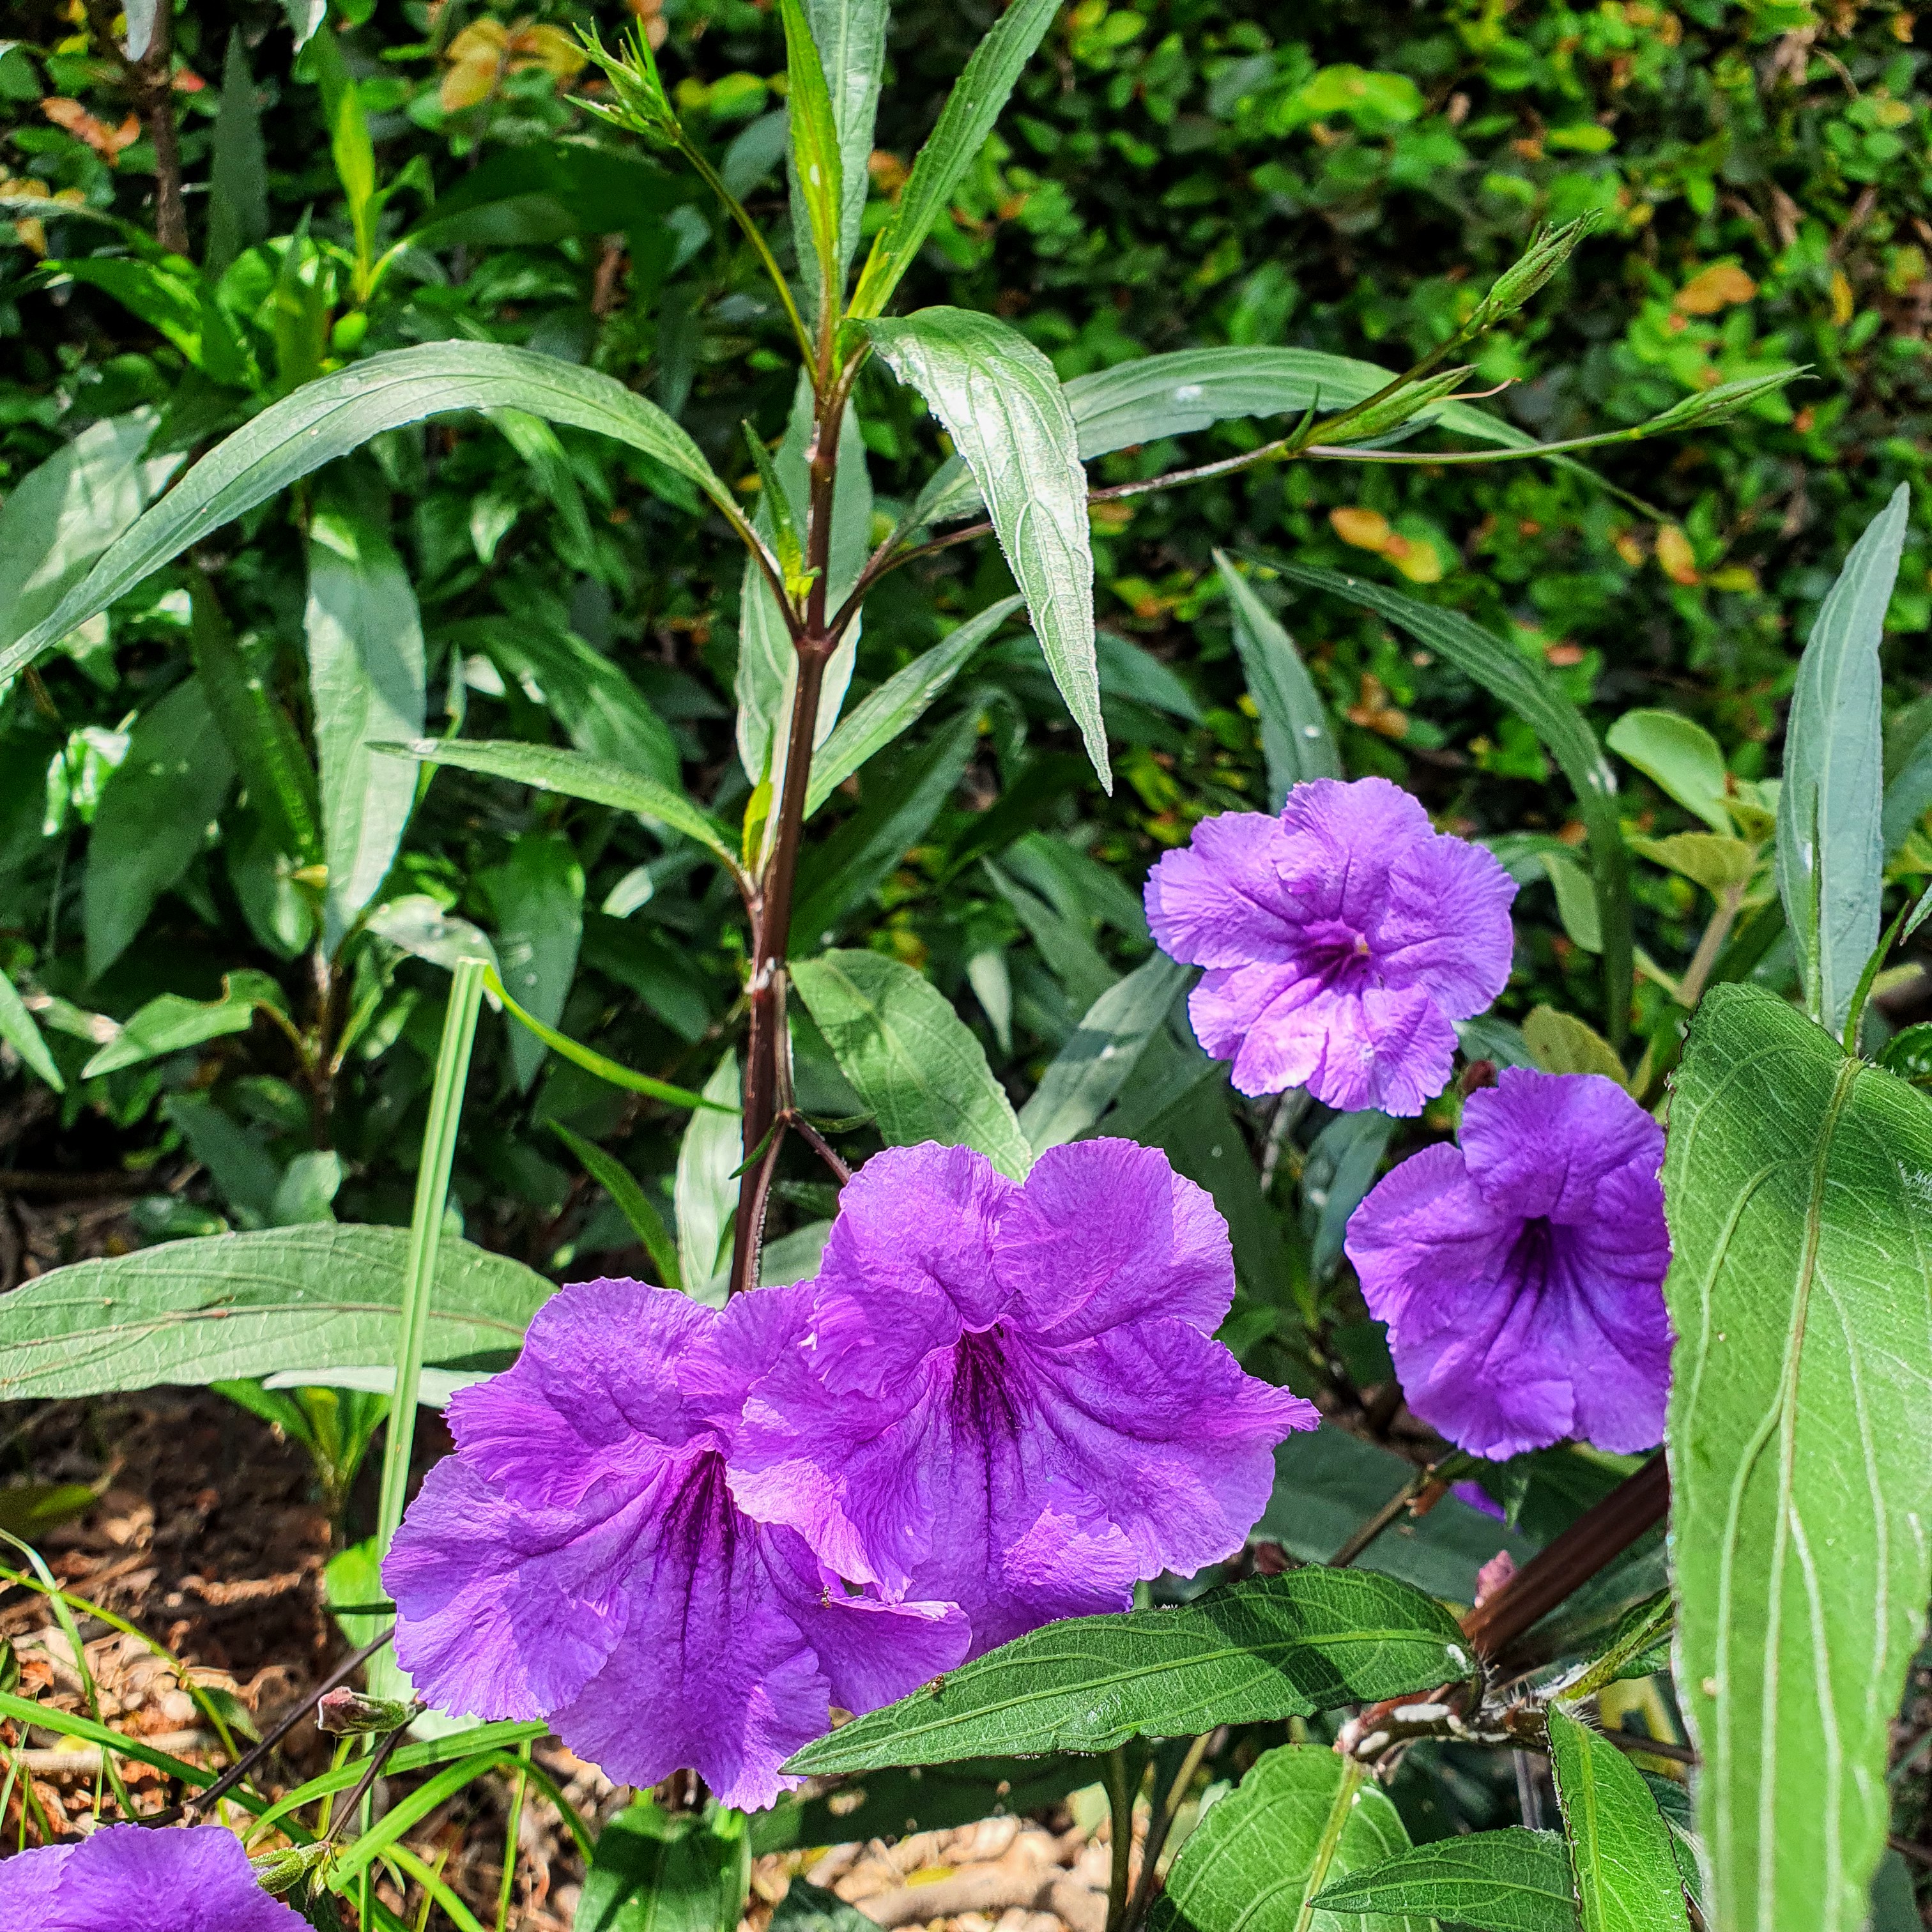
(1540,1143)
(1446,928)
(112,1881)
(1342,840)
(1391,1050)
(1423,1241)
(1220,900)
(1105,1232)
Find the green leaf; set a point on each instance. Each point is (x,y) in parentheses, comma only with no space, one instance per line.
(233,1305)
(538,192)
(1576,903)
(1638,1647)
(327,418)
(1831,847)
(1620,1854)
(1801,1404)
(1718,864)
(633,1203)
(152,820)
(549,768)
(1302,1816)
(417,924)
(705,1191)
(1002,404)
(1082,1080)
(965,122)
(537,897)
(1679,757)
(1272,1647)
(900,702)
(590,1059)
(900,805)
(656,1872)
(260,736)
(166,1025)
(238,184)
(1561,1043)
(1530,691)
(805,1907)
(1340,1170)
(1177,394)
(367,676)
(818,165)
(897,1801)
(1508,1881)
(850,36)
(914,1061)
(28,1510)
(1297,740)
(58,518)
(18,1029)
(1908,770)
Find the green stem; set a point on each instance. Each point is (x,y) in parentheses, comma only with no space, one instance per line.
(439,1154)
(736,210)
(1159,1826)
(1353,1772)
(506,1891)
(1120,1811)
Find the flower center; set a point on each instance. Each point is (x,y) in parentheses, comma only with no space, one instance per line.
(982,1389)
(1340,956)
(1534,1257)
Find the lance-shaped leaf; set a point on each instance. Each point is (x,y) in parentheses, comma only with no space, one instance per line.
(1258,1860)
(1801,1290)
(368,674)
(550,768)
(965,122)
(1082,1080)
(537,895)
(1002,404)
(911,1058)
(654,1871)
(198,1311)
(1296,739)
(1830,846)
(329,418)
(900,702)
(1535,698)
(1272,1647)
(1620,1854)
(817,161)
(850,36)
(705,1193)
(17,1028)
(1508,1881)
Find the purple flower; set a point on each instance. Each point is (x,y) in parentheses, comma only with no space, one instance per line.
(1522,1274)
(124,1875)
(1010,1399)
(579,1558)
(1340,941)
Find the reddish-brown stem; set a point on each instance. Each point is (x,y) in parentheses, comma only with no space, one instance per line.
(149,82)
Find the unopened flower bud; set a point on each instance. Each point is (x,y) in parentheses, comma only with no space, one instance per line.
(344,1713)
(1549,249)
(1408,401)
(278,1873)
(641,107)
(1714,405)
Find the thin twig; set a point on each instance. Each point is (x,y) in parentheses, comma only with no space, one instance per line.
(1159,1826)
(1643,1747)
(379,1757)
(820,1145)
(1383,1517)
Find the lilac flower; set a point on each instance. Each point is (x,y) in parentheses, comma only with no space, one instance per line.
(1522,1274)
(579,1558)
(1340,941)
(1010,1398)
(125,1875)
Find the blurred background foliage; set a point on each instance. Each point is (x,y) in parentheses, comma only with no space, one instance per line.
(1347,177)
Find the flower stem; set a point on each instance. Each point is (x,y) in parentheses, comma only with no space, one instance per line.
(1159,1825)
(1120,1813)
(438,1155)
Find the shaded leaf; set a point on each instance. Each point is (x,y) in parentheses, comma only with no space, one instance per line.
(914,1061)
(1801,1399)
(1001,403)
(17,1028)
(1270,1648)
(1561,1043)
(1296,739)
(633,1203)
(234,1305)
(168,1024)
(238,185)
(1508,1881)
(1620,1854)
(653,1871)
(1830,847)
(705,1191)
(1677,755)
(537,897)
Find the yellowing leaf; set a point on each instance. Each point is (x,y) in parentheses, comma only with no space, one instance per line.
(1713,862)
(1674,556)
(105,141)
(1364,529)
(1715,288)
(1561,1043)
(1417,558)
(1844,308)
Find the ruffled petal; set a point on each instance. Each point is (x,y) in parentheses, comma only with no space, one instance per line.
(1105,1232)
(1343,839)
(113,1881)
(1424,1242)
(911,1255)
(27,1882)
(1540,1143)
(1390,1050)
(1220,900)
(1446,931)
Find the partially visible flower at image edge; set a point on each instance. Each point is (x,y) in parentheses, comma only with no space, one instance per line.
(1521,1274)
(1341,940)
(1010,1398)
(196,1879)
(579,1558)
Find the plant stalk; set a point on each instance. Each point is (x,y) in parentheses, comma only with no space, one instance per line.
(1120,1816)
(439,1155)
